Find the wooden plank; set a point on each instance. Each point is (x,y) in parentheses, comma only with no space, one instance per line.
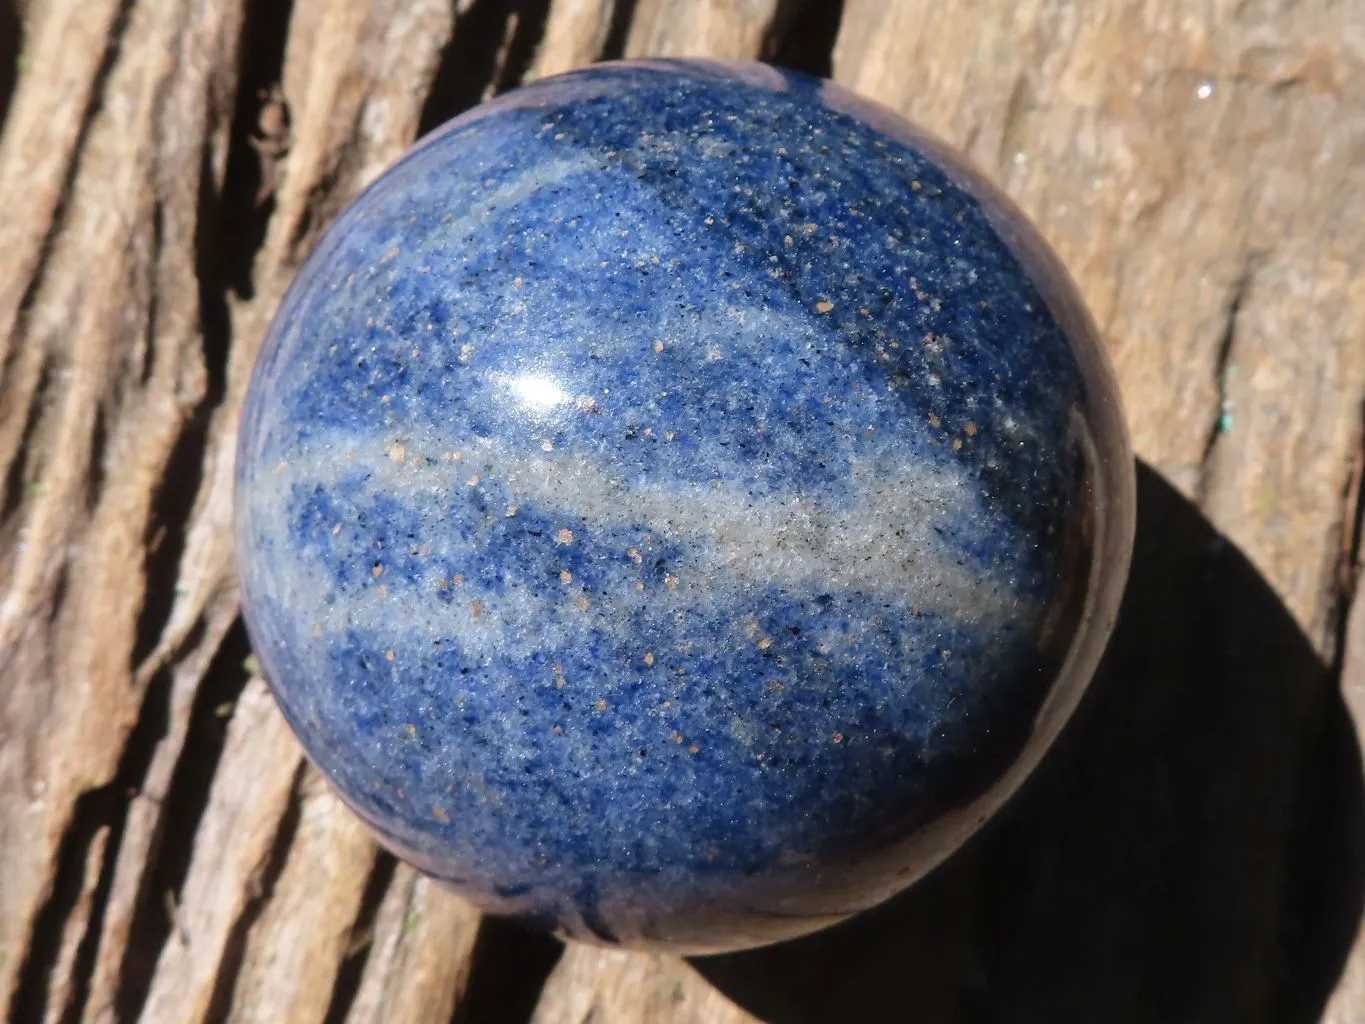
(96,395)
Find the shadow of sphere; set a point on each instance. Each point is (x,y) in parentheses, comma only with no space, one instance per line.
(1192,848)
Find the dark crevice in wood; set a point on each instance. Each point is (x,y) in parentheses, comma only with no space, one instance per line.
(1355,517)
(226,254)
(99,445)
(16,479)
(526,36)
(1222,356)
(217,258)
(468,63)
(167,528)
(56,606)
(802,34)
(185,801)
(622,14)
(352,968)
(1348,567)
(11,47)
(508,969)
(84,964)
(151,330)
(234,951)
(618,29)
(93,810)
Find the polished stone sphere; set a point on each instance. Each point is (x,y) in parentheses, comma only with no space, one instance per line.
(677,503)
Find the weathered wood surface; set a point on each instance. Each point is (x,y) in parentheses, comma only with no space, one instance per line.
(1194,850)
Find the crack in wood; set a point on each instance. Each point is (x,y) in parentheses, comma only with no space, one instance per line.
(102,809)
(182,808)
(11,51)
(801,36)
(352,966)
(71,972)
(18,473)
(262,888)
(522,44)
(622,12)
(234,227)
(510,968)
(1222,363)
(474,61)
(1349,557)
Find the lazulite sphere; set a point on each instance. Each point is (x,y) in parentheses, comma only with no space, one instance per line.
(678,503)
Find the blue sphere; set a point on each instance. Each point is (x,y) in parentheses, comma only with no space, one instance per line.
(677,504)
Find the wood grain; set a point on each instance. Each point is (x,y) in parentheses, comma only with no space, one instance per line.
(1200,167)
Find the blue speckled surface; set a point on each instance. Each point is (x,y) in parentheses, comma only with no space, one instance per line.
(666,502)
